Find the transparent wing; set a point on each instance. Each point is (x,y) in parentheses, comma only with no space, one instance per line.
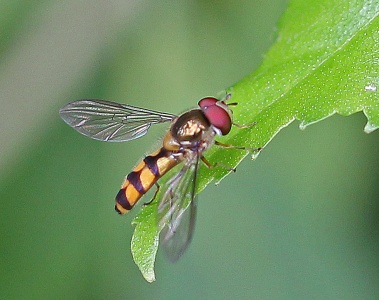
(177,209)
(109,121)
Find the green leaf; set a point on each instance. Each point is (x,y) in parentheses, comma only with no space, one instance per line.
(325,61)
(144,243)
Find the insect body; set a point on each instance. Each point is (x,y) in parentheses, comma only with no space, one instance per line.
(143,177)
(189,136)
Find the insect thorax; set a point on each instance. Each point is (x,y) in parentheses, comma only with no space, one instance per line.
(192,130)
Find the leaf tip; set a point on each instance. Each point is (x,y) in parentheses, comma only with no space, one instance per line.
(303,125)
(370,127)
(145,240)
(149,277)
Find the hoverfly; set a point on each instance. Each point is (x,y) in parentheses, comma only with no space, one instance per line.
(190,134)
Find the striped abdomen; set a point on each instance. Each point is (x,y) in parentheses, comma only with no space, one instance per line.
(142,178)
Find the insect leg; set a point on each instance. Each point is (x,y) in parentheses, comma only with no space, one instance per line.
(228,96)
(244,126)
(210,166)
(155,195)
(237,147)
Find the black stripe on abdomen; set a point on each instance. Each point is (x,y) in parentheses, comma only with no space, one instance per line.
(121,199)
(135,179)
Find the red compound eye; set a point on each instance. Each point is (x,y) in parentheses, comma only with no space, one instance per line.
(218,114)
(205,102)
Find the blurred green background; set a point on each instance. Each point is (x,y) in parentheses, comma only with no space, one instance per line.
(300,222)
